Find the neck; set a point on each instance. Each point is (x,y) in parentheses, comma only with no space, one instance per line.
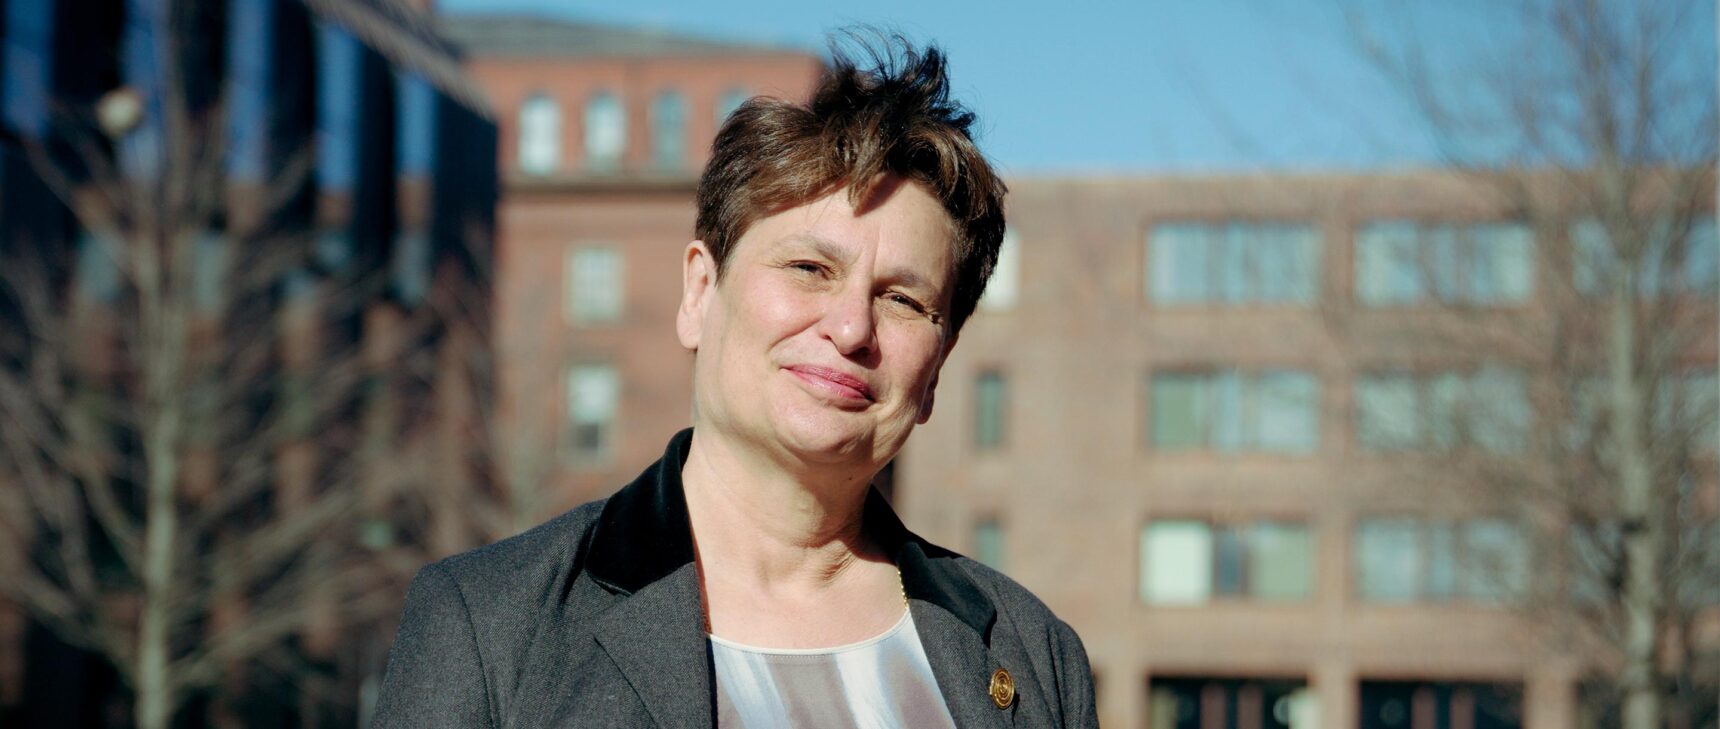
(768,527)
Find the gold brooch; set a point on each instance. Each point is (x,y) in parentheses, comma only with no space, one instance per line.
(1002,689)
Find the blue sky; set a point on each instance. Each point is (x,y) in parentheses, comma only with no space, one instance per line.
(1131,87)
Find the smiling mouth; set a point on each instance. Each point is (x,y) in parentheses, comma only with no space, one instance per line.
(837,384)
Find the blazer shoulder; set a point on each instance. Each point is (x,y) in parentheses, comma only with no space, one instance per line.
(466,620)
(1011,598)
(520,571)
(548,542)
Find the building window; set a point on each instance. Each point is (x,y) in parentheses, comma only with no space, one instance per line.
(669,130)
(415,127)
(605,131)
(1687,408)
(988,544)
(1488,408)
(1415,705)
(1233,263)
(1407,559)
(250,61)
(991,400)
(340,77)
(1001,289)
(1229,411)
(593,281)
(411,267)
(593,396)
(1176,563)
(1194,703)
(1684,405)
(730,102)
(98,272)
(333,250)
(540,135)
(1402,263)
(1671,264)
(1189,562)
(144,68)
(29,66)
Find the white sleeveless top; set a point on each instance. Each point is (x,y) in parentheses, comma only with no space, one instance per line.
(881,682)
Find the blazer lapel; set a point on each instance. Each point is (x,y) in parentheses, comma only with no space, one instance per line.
(548,678)
(656,639)
(963,666)
(953,617)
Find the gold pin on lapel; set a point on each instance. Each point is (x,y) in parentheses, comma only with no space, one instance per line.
(1002,689)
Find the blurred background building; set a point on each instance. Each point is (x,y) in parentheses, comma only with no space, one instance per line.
(1275,444)
(317,182)
(1207,420)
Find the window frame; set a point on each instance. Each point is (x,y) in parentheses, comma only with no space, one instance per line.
(567,445)
(1451,410)
(1221,393)
(538,127)
(604,124)
(999,433)
(1459,586)
(1246,546)
(669,146)
(581,310)
(1447,257)
(1231,255)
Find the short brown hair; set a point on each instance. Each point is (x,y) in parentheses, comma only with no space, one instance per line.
(895,117)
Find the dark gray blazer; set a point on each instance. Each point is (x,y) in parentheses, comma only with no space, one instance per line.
(594,620)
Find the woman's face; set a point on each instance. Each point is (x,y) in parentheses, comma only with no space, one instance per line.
(823,339)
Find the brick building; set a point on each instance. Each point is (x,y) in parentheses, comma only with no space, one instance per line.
(603,132)
(1187,417)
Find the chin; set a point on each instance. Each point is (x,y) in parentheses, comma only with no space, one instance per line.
(825,437)
(838,438)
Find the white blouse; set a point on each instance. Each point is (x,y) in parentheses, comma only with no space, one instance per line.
(879,683)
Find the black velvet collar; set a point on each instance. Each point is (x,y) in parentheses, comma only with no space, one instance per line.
(643,536)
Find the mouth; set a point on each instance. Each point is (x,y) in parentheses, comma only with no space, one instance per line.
(842,386)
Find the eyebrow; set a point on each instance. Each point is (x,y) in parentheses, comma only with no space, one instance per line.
(837,252)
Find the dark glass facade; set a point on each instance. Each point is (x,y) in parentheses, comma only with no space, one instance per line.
(401,185)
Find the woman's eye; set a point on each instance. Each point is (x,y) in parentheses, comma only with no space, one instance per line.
(806,267)
(905,301)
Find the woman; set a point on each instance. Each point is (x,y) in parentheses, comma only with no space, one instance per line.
(752,577)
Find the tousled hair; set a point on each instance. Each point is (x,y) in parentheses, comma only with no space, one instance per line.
(894,116)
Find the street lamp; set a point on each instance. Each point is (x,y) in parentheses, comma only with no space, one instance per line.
(119,111)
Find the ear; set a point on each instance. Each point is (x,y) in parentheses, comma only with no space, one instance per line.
(698,285)
(932,389)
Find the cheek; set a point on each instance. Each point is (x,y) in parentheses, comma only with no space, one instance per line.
(765,316)
(917,352)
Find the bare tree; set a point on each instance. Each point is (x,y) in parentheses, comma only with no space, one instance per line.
(1594,124)
(218,449)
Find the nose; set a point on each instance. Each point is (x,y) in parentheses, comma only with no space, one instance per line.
(849,322)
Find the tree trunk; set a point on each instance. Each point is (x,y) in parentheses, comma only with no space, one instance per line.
(162,322)
(1642,531)
(154,689)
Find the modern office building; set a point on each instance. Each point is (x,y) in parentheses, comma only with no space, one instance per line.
(348,123)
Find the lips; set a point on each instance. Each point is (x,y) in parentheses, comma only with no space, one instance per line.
(835,382)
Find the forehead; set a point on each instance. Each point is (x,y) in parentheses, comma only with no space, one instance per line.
(900,221)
